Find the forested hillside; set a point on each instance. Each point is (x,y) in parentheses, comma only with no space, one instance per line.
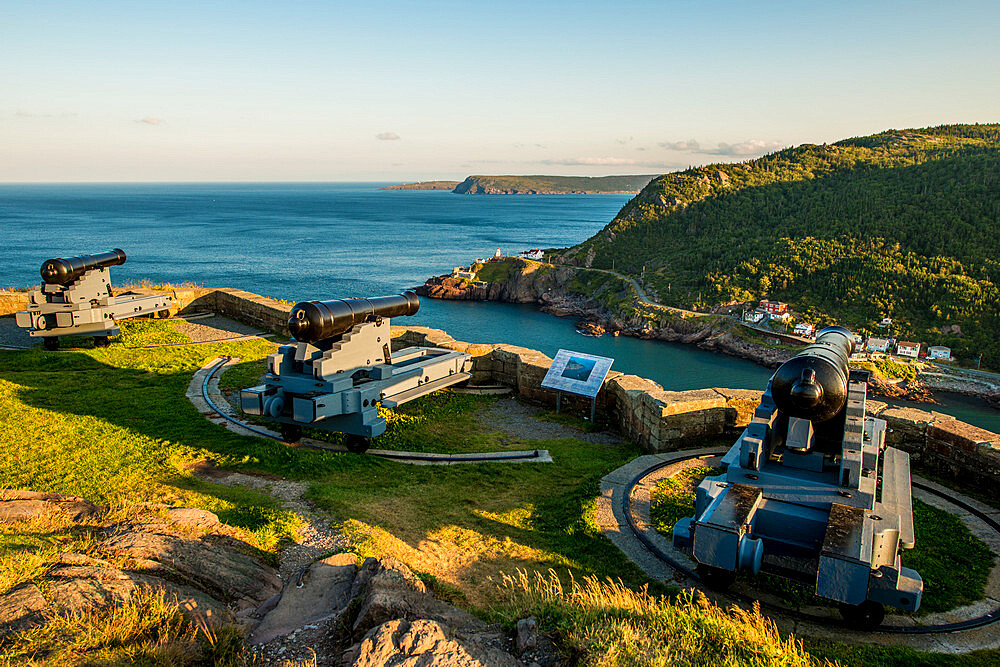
(904,224)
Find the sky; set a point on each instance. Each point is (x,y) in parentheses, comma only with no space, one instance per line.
(404,91)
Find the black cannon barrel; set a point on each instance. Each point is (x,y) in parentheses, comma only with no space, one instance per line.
(813,384)
(312,321)
(62,271)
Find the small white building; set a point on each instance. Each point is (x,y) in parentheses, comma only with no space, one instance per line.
(886,322)
(939,352)
(755,316)
(536,255)
(781,317)
(905,348)
(804,329)
(877,344)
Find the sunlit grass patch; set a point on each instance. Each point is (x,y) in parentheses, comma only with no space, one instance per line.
(605,622)
(149,629)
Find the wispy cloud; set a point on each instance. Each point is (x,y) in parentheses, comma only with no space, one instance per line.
(689,145)
(35,114)
(387,136)
(152,120)
(745,148)
(603,162)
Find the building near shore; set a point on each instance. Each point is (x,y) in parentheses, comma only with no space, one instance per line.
(773,307)
(874,344)
(939,352)
(804,329)
(905,348)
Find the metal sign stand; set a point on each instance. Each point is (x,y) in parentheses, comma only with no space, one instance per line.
(577,373)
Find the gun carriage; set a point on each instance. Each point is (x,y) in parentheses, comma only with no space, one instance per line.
(342,368)
(75,299)
(810,492)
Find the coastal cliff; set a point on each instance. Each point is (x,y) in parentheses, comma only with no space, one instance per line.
(605,304)
(552,185)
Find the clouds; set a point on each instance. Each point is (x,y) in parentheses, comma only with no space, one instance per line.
(603,162)
(741,149)
(746,148)
(387,136)
(152,120)
(690,145)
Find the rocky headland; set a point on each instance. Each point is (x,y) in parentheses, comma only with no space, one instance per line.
(548,286)
(424,185)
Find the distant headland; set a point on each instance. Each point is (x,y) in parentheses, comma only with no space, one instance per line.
(536,185)
(424,185)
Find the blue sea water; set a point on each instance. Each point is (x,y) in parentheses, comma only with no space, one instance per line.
(300,241)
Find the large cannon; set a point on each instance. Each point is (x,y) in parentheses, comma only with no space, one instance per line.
(342,369)
(811,493)
(75,299)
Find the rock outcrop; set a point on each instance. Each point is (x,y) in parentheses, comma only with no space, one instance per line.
(201,564)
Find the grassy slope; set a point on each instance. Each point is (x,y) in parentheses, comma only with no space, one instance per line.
(114,424)
(901,224)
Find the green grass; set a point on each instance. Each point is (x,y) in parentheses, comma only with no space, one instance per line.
(114,425)
(496,272)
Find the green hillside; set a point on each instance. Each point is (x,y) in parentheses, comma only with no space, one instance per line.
(904,224)
(545,185)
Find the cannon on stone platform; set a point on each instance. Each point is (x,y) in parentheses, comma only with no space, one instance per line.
(75,299)
(342,368)
(811,493)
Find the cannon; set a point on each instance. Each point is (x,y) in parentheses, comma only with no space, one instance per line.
(75,299)
(341,370)
(811,492)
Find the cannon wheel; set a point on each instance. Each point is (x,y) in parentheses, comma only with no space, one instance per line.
(715,577)
(50,342)
(291,433)
(101,341)
(865,616)
(162,314)
(357,444)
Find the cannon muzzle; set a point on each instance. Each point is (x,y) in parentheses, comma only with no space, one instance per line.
(813,384)
(64,271)
(312,321)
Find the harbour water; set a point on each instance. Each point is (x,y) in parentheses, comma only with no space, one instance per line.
(337,240)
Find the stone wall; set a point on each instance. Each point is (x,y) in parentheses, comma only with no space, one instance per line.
(656,419)
(660,420)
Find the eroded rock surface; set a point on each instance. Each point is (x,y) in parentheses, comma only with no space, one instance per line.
(187,553)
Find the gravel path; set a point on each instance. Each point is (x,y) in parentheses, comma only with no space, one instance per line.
(11,334)
(211,328)
(520,421)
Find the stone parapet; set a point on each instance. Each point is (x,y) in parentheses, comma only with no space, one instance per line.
(657,420)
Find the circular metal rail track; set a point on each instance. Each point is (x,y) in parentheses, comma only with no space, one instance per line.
(401,456)
(968,624)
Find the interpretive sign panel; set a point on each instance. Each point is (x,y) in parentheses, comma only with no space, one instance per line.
(577,373)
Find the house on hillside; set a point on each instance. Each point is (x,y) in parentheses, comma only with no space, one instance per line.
(939,352)
(755,316)
(905,348)
(877,344)
(532,254)
(804,329)
(463,273)
(773,307)
(886,322)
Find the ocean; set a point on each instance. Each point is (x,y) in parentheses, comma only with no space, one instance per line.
(299,241)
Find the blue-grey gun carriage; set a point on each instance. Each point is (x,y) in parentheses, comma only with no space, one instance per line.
(811,493)
(342,369)
(75,299)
